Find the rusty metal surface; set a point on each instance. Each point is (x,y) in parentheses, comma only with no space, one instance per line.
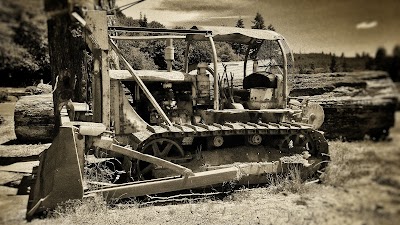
(59,175)
(235,34)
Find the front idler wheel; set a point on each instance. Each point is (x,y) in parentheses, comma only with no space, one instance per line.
(162,148)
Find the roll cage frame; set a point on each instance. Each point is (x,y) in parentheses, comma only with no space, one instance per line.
(250,37)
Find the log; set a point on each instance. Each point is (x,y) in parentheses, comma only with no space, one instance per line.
(34,118)
(357,118)
(356,104)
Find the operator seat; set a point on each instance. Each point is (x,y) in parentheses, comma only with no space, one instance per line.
(264,90)
(260,80)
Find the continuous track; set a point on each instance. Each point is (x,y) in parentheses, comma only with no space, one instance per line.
(232,128)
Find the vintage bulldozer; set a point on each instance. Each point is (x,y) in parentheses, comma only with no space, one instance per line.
(166,131)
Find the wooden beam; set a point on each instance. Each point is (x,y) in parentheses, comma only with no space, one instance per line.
(152,159)
(146,38)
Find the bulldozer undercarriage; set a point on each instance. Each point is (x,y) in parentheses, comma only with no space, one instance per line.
(181,143)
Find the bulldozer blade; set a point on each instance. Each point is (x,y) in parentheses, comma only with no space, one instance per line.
(58,177)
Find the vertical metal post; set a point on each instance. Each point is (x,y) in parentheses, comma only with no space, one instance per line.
(169,54)
(96,86)
(216,86)
(116,97)
(285,74)
(246,57)
(105,83)
(186,64)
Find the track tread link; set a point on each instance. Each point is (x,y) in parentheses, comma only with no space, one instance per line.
(230,128)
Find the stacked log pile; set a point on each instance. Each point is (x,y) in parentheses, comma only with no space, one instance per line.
(356,104)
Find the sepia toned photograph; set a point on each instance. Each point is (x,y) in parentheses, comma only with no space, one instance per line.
(200,112)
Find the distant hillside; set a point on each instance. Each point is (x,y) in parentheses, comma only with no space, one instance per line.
(23,48)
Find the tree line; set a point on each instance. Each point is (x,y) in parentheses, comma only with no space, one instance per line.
(383,61)
(24,48)
(150,54)
(327,62)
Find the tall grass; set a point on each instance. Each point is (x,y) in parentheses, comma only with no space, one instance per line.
(291,182)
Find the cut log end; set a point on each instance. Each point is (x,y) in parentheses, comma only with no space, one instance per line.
(34,118)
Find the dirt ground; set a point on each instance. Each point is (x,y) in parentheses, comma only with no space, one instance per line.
(361,186)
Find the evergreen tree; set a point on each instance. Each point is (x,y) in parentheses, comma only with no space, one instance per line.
(380,59)
(333,66)
(396,51)
(271,27)
(345,66)
(394,70)
(258,22)
(364,55)
(240,23)
(369,64)
(238,48)
(143,20)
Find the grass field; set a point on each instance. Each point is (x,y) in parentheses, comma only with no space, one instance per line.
(361,186)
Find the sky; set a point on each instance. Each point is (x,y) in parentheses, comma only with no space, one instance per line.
(337,26)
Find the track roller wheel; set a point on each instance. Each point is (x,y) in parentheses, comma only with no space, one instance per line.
(254,139)
(297,143)
(163,148)
(217,141)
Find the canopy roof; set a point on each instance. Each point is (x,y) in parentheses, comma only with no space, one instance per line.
(234,34)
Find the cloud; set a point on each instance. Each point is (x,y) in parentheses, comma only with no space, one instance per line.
(367,25)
